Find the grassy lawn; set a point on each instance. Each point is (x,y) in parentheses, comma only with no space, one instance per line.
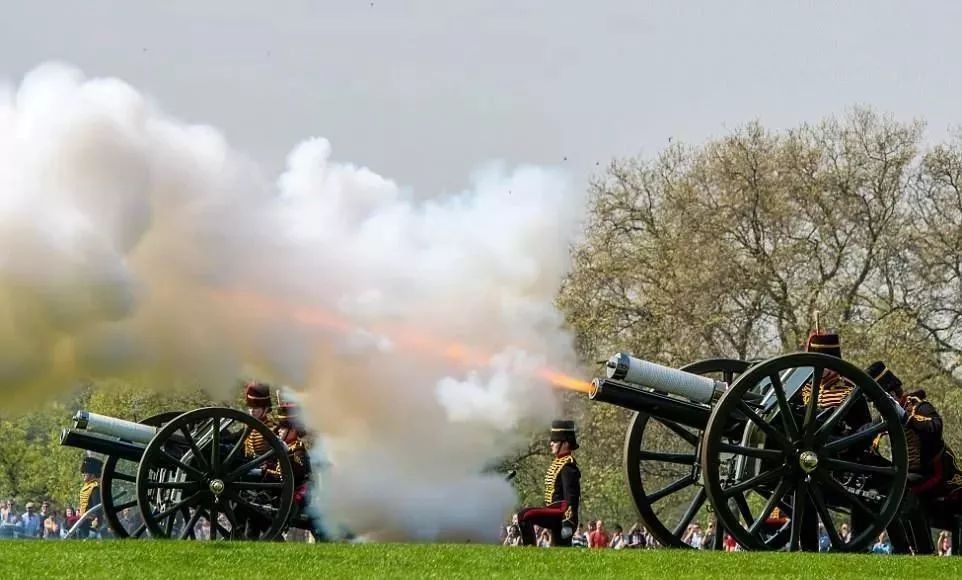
(163,560)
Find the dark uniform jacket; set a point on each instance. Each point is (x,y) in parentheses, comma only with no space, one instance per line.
(562,482)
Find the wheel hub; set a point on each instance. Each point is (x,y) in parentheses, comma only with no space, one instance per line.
(808,460)
(217,486)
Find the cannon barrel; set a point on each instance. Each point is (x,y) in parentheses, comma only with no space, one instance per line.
(112,427)
(636,398)
(100,444)
(628,369)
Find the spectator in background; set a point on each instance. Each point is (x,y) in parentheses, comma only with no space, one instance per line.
(636,537)
(618,541)
(694,537)
(32,524)
(513,537)
(824,542)
(8,515)
(70,518)
(882,546)
(52,528)
(599,538)
(944,545)
(580,539)
(844,533)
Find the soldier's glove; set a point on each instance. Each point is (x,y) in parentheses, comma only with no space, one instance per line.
(567,530)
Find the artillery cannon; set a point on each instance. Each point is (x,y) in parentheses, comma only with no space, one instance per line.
(184,469)
(753,444)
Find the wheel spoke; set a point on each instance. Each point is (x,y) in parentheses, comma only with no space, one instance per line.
(215,447)
(124,506)
(212,517)
(743,508)
(139,531)
(841,465)
(189,528)
(186,502)
(125,477)
(826,428)
(838,488)
(680,458)
(171,484)
(798,516)
(258,484)
(682,432)
(671,488)
(812,408)
(753,482)
(865,435)
(691,512)
(196,474)
(788,416)
(778,437)
(237,446)
(250,465)
(822,508)
(194,449)
(756,452)
(780,490)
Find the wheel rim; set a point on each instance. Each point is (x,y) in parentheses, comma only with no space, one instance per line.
(119,489)
(676,497)
(799,454)
(194,476)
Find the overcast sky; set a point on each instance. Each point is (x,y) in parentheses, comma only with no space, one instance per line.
(425,92)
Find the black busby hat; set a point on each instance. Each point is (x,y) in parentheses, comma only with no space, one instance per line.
(257,395)
(91,466)
(884,377)
(825,342)
(562,430)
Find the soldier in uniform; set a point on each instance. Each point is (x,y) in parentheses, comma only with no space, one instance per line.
(257,397)
(833,389)
(290,431)
(91,468)
(562,492)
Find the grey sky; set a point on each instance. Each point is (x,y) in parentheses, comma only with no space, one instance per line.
(425,92)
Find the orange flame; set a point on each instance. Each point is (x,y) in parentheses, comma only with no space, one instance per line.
(407,338)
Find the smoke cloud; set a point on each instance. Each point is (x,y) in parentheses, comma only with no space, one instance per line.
(132,243)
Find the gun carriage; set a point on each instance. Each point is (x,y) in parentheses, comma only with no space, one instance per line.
(175,473)
(753,444)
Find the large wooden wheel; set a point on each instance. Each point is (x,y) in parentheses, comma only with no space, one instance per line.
(661,465)
(118,489)
(815,464)
(195,481)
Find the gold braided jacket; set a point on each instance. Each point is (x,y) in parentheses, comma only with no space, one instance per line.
(255,445)
(85,492)
(551,480)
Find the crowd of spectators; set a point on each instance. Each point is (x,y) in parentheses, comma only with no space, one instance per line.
(45,522)
(598,535)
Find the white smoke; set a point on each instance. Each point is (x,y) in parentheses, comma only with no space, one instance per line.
(133,243)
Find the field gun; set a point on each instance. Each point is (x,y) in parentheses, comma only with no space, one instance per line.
(749,444)
(187,471)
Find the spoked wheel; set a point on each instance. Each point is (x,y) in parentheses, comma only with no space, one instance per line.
(661,465)
(815,463)
(195,480)
(118,489)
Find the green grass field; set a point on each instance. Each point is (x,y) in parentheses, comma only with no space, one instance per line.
(156,559)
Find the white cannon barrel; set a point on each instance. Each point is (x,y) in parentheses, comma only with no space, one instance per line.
(112,427)
(624,367)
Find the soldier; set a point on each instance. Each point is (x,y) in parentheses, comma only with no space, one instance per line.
(932,467)
(833,389)
(257,397)
(289,431)
(562,491)
(91,468)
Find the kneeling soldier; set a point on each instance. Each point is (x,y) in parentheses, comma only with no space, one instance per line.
(562,492)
